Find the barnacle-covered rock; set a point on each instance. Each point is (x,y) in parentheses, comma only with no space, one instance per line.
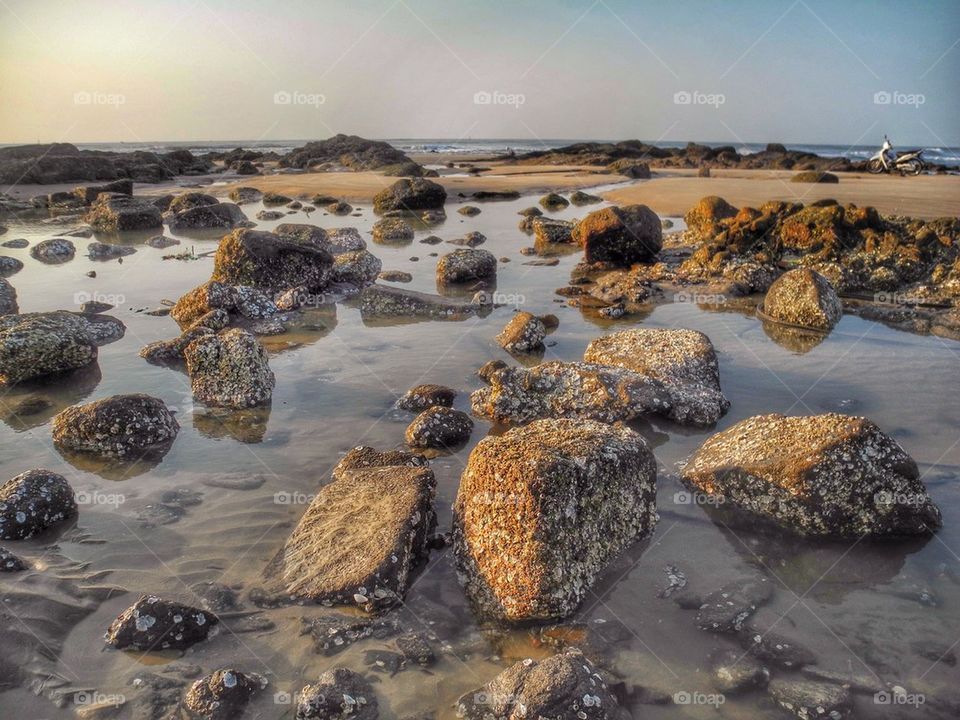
(267,260)
(229,369)
(223,694)
(338,694)
(152,623)
(683,359)
(8,298)
(621,235)
(381,301)
(364,456)
(803,297)
(410,194)
(566,687)
(422,397)
(32,502)
(542,509)
(357,267)
(466,265)
(832,475)
(439,428)
(547,231)
(360,538)
(200,217)
(55,250)
(703,219)
(524,333)
(810,700)
(125,426)
(392,230)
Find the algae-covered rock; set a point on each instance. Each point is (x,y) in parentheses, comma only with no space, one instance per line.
(229,369)
(803,297)
(267,260)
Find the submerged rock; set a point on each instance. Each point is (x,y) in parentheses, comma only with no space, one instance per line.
(466,265)
(106,251)
(10,562)
(423,397)
(735,671)
(410,194)
(364,456)
(683,359)
(440,428)
(8,299)
(553,202)
(338,694)
(54,250)
(542,509)
(621,235)
(32,502)
(201,217)
(124,426)
(267,260)
(557,389)
(830,474)
(117,212)
(726,609)
(523,334)
(811,700)
(380,301)
(803,297)
(566,686)
(152,623)
(37,344)
(582,198)
(222,695)
(360,538)
(547,231)
(229,369)
(392,230)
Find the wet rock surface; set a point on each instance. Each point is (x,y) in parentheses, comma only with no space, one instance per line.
(153,623)
(222,695)
(833,475)
(54,250)
(523,334)
(423,397)
(381,301)
(106,251)
(207,216)
(229,369)
(360,539)
(534,525)
(338,694)
(124,426)
(117,212)
(32,502)
(725,610)
(10,562)
(410,194)
(440,428)
(803,297)
(620,235)
(391,231)
(811,700)
(8,298)
(466,265)
(266,260)
(734,671)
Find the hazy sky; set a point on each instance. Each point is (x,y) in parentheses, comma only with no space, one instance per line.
(829,71)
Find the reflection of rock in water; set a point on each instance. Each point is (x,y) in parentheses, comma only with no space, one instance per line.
(110,468)
(33,403)
(247,426)
(303,328)
(794,339)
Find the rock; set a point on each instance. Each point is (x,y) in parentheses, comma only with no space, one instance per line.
(10,562)
(267,215)
(266,260)
(493,195)
(542,509)
(392,230)
(469,210)
(202,300)
(630,168)
(338,694)
(466,265)
(105,251)
(348,151)
(244,167)
(833,475)
(16,244)
(523,334)
(725,610)
(803,297)
(152,624)
(245,194)
(734,672)
(621,235)
(814,176)
(557,389)
(565,686)
(345,240)
(381,301)
(364,456)
(54,250)
(8,306)
(190,200)
(811,700)
(432,240)
(400,276)
(222,695)
(37,344)
(115,212)
(553,202)
(489,368)
(217,215)
(548,231)
(439,427)
(581,198)
(229,369)
(88,195)
(471,239)
(703,172)
(339,208)
(770,647)
(703,219)
(683,359)
(272,198)
(125,426)
(410,194)
(33,502)
(9,266)
(359,268)
(424,397)
(161,242)
(360,538)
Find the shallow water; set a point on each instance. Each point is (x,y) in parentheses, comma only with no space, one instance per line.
(859,607)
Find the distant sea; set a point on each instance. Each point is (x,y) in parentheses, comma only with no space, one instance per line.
(941,155)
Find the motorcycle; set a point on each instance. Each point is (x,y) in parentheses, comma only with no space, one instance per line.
(906,163)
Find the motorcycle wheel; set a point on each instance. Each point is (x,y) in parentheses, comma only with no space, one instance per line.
(913,167)
(875,166)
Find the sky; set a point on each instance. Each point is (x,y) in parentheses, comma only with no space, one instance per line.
(792,71)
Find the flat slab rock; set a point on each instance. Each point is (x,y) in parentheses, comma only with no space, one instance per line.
(831,474)
(359,539)
(152,623)
(565,686)
(811,700)
(439,428)
(379,301)
(683,359)
(30,503)
(542,509)
(125,426)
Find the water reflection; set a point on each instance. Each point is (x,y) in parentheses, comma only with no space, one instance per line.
(33,403)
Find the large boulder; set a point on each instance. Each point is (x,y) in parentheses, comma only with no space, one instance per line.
(8,298)
(229,369)
(703,219)
(564,687)
(32,502)
(267,260)
(349,151)
(542,509)
(360,538)
(338,694)
(803,297)
(683,359)
(573,390)
(116,212)
(466,265)
(200,217)
(832,475)
(620,235)
(37,344)
(410,194)
(152,624)
(124,426)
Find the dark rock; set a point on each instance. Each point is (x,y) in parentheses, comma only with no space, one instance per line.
(410,194)
(811,700)
(114,212)
(349,151)
(229,369)
(423,397)
(88,194)
(381,301)
(54,250)
(725,610)
(222,695)
(553,201)
(105,251)
(338,694)
(415,648)
(773,648)
(152,624)
(266,260)
(32,502)
(38,344)
(621,235)
(364,456)
(471,239)
(469,210)
(735,671)
(10,562)
(161,242)
(440,428)
(9,266)
(243,194)
(390,231)
(395,276)
(8,306)
(582,198)
(489,368)
(633,169)
(200,217)
(466,265)
(813,176)
(125,426)
(523,334)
